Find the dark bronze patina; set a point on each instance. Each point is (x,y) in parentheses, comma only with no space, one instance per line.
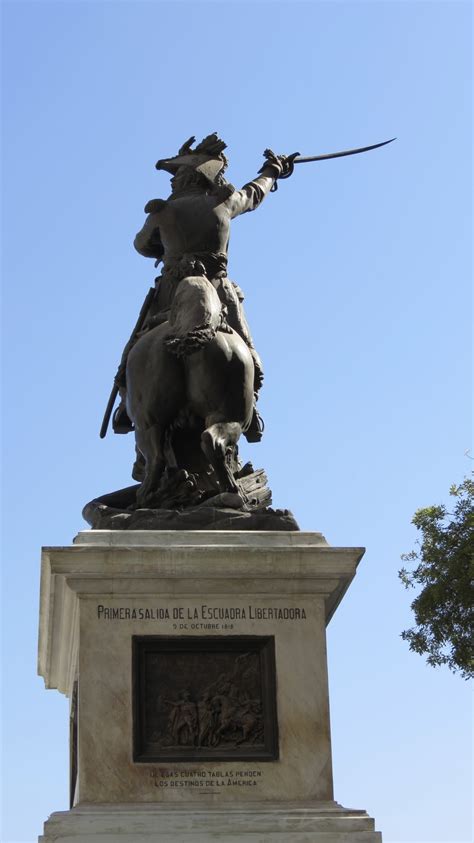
(325,156)
(190,375)
(203,698)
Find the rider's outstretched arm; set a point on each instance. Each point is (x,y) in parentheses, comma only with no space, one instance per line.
(254,192)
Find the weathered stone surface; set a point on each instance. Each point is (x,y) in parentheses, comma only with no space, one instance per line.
(114,588)
(283,822)
(111,586)
(170,562)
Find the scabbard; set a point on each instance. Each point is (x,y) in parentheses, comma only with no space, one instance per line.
(139,325)
(108,411)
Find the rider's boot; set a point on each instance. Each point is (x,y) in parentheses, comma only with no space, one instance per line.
(255,430)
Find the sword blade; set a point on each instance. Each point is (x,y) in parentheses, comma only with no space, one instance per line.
(301,160)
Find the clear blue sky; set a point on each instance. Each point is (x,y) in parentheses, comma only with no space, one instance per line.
(357,280)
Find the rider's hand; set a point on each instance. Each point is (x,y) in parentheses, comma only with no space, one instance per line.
(272,162)
(281,165)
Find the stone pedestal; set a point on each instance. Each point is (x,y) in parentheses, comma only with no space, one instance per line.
(196,667)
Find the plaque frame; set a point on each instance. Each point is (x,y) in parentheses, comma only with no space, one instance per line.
(146,751)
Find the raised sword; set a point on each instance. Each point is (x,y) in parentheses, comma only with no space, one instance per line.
(300,159)
(296,158)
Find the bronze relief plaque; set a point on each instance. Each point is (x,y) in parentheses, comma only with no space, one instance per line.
(204,698)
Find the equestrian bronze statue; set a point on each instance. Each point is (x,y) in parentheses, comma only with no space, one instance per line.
(190,375)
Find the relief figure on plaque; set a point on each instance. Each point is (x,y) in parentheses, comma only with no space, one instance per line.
(207,720)
(183,720)
(226,703)
(224,712)
(250,721)
(240,719)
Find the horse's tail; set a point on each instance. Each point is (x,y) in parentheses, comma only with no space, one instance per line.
(192,341)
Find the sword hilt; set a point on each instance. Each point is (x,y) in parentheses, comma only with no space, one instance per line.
(289,161)
(291,165)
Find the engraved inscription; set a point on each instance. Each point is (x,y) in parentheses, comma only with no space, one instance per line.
(200,613)
(203,779)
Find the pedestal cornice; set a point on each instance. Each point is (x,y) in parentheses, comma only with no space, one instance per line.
(142,562)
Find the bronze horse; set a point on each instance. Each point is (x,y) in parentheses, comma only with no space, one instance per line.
(191,366)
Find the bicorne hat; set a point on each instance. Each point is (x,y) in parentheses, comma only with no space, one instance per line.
(207,158)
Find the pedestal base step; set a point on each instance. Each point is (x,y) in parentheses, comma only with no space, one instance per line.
(325,822)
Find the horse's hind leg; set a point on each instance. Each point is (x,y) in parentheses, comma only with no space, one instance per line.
(150,443)
(217,442)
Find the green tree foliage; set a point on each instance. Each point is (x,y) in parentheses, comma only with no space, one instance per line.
(443,565)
